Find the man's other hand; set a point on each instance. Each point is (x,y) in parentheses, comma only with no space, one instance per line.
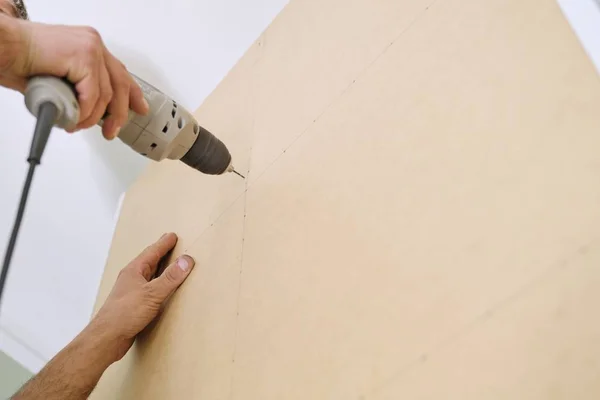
(78,54)
(136,298)
(134,302)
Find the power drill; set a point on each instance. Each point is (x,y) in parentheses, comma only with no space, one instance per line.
(168,131)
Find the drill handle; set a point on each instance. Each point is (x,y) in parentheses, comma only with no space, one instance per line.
(60,93)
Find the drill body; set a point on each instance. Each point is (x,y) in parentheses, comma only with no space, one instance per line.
(168,131)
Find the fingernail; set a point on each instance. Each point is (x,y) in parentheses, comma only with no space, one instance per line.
(183,264)
(146,105)
(116,132)
(163,235)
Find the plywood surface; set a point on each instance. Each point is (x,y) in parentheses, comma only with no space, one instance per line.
(421,218)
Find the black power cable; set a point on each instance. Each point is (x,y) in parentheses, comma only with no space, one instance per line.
(46,118)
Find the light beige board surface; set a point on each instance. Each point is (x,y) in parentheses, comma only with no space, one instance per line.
(421,218)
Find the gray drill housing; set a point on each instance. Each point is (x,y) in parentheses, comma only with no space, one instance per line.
(168,131)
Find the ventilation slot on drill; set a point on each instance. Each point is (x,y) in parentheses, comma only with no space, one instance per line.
(180,123)
(166,128)
(174,105)
(173,112)
(196,129)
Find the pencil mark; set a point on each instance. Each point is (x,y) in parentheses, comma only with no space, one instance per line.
(248,185)
(343,92)
(484,316)
(244,223)
(239,291)
(360,74)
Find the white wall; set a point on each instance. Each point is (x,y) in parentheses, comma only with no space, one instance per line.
(584,16)
(185,47)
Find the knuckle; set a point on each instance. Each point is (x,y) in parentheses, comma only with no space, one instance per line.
(122,273)
(133,83)
(92,41)
(125,85)
(153,254)
(107,94)
(149,292)
(135,92)
(122,92)
(93,32)
(145,268)
(91,48)
(85,107)
(119,121)
(122,81)
(170,276)
(152,296)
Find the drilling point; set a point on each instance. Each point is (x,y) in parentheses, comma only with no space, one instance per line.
(238,174)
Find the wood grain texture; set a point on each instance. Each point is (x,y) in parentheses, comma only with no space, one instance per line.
(421,219)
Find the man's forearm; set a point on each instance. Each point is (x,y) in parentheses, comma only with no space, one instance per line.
(74,372)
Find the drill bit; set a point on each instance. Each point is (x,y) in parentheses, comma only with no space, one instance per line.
(238,174)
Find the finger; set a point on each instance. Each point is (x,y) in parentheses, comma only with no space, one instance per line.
(88,93)
(83,71)
(137,101)
(118,109)
(106,94)
(172,278)
(147,262)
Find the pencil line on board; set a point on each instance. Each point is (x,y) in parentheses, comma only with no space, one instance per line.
(237,306)
(334,101)
(239,291)
(511,298)
(261,42)
(302,133)
(248,186)
(358,76)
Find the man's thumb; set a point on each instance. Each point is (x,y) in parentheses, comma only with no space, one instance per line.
(172,277)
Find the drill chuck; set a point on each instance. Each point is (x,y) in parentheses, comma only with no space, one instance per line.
(208,154)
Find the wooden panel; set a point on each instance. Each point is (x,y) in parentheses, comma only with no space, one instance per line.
(423,206)
(196,330)
(312,53)
(539,343)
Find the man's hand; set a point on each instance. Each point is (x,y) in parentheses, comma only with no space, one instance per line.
(136,298)
(134,302)
(78,54)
